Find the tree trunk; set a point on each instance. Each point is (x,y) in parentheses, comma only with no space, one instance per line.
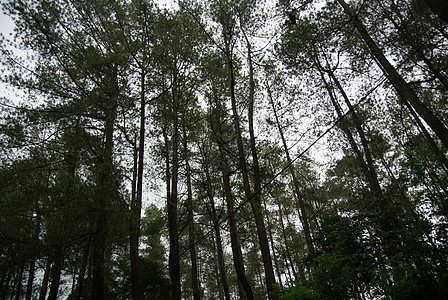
(174,259)
(439,154)
(136,206)
(271,240)
(236,248)
(191,235)
(285,240)
(303,214)
(105,191)
(372,175)
(253,199)
(215,220)
(217,268)
(404,31)
(29,288)
(82,272)
(348,134)
(18,290)
(56,270)
(402,88)
(294,250)
(44,285)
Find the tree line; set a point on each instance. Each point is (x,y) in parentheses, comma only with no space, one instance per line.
(225,150)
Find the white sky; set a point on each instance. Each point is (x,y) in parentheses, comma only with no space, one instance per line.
(6,25)
(6,31)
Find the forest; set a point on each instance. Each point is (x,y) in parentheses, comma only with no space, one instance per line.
(214,149)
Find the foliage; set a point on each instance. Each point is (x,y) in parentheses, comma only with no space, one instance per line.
(212,86)
(296,293)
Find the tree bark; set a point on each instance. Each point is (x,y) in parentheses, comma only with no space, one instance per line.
(18,285)
(174,263)
(105,191)
(348,134)
(253,198)
(236,248)
(217,268)
(435,149)
(82,272)
(44,284)
(372,175)
(136,206)
(404,31)
(274,255)
(285,240)
(402,88)
(56,270)
(29,288)
(220,251)
(191,235)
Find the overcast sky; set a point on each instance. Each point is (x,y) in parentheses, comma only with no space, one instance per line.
(6,25)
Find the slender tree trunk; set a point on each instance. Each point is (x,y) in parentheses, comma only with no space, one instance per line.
(253,199)
(288,269)
(98,256)
(29,288)
(296,256)
(303,213)
(56,270)
(404,31)
(136,206)
(236,248)
(220,251)
(274,254)
(99,244)
(82,272)
(217,268)
(347,132)
(44,284)
(191,235)
(58,254)
(285,240)
(300,267)
(105,191)
(174,260)
(19,278)
(402,88)
(372,175)
(437,74)
(168,188)
(435,149)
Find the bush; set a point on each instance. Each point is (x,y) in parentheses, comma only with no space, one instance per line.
(297,293)
(331,278)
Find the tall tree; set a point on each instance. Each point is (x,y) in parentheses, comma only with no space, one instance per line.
(298,194)
(228,22)
(402,88)
(138,38)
